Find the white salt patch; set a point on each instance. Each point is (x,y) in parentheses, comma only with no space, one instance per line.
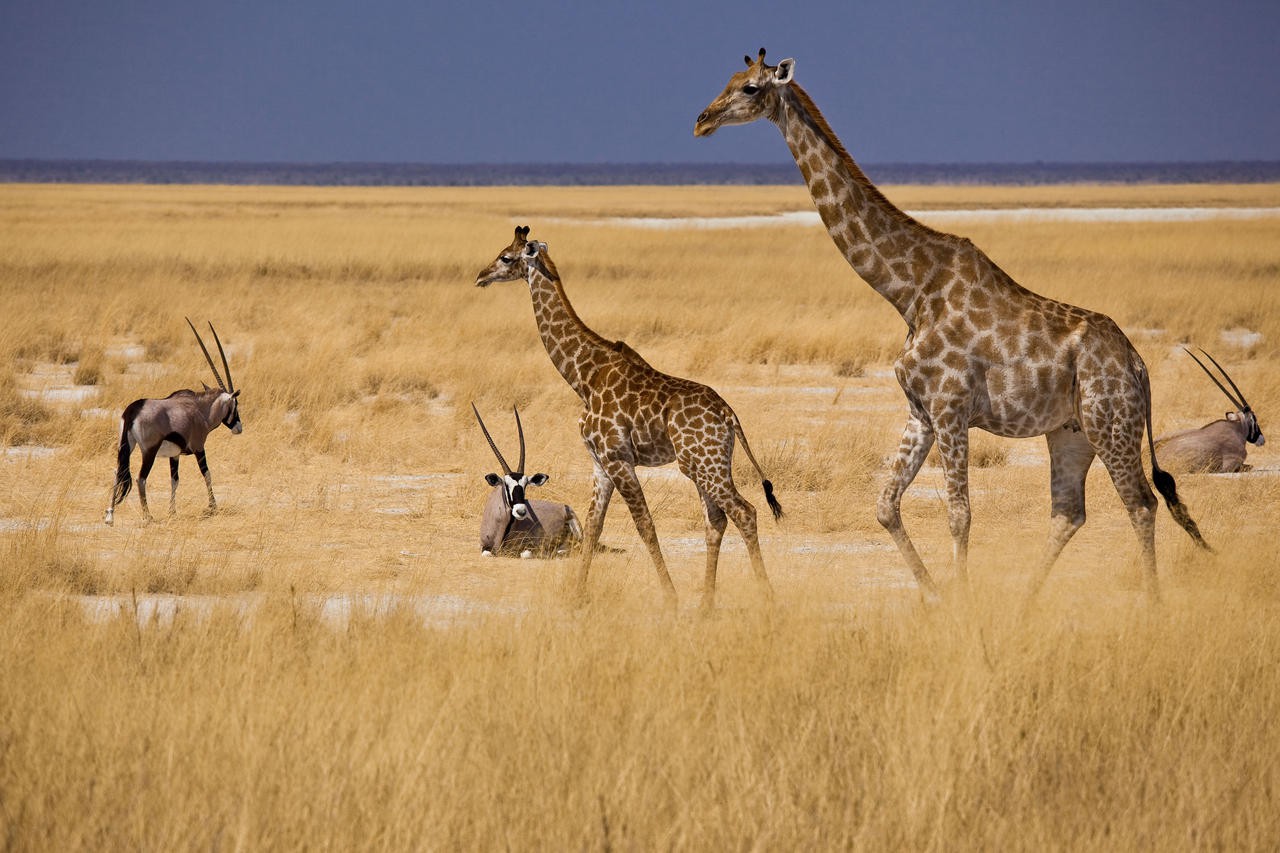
(1241,337)
(74,394)
(1012,214)
(130,352)
(29,451)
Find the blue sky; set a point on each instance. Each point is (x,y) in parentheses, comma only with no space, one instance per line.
(459,82)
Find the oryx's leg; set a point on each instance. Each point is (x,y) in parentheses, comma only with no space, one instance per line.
(208,481)
(601,491)
(1070,455)
(148,459)
(917,438)
(953,447)
(173,485)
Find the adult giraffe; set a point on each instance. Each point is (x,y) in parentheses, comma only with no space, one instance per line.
(981,351)
(634,415)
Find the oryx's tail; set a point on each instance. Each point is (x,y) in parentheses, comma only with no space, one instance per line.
(774,506)
(1164,482)
(124,482)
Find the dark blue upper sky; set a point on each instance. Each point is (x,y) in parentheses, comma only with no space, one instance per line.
(554,81)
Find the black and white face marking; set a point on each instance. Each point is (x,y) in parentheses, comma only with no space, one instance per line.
(232,420)
(513,490)
(1254,435)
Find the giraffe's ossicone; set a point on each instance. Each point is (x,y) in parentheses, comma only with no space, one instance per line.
(981,351)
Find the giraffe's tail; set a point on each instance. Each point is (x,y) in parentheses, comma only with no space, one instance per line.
(1164,482)
(774,506)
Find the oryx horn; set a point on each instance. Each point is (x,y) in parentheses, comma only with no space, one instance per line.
(209,358)
(506,469)
(520,430)
(1242,404)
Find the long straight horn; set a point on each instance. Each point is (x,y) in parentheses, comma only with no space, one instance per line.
(520,431)
(231,386)
(506,469)
(1244,404)
(1239,404)
(205,350)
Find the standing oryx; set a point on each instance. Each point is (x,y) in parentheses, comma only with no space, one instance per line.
(515,524)
(1219,447)
(174,426)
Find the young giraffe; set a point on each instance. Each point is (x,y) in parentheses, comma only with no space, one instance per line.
(636,416)
(981,351)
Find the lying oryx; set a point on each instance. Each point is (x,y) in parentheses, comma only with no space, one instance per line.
(177,425)
(1215,448)
(514,524)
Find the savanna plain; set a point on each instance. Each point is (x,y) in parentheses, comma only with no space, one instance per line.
(328,662)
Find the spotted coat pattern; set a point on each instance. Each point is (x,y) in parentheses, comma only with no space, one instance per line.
(981,351)
(633,416)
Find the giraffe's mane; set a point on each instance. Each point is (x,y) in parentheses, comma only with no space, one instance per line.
(819,122)
(548,268)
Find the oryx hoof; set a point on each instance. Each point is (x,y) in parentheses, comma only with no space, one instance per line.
(486,553)
(526,554)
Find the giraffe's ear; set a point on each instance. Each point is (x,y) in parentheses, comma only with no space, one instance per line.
(531,249)
(785,72)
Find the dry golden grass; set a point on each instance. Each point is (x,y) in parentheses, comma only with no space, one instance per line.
(328,662)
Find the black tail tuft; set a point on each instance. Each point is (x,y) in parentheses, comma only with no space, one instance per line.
(774,506)
(124,482)
(1166,486)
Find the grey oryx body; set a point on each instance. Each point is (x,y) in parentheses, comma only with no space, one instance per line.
(174,426)
(1219,447)
(513,523)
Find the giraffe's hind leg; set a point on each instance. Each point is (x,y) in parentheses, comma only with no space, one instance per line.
(917,438)
(716,522)
(1116,431)
(1070,455)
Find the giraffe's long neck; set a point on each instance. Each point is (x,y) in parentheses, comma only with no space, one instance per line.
(572,346)
(876,237)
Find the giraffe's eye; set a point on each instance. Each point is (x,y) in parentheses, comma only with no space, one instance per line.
(505,259)
(750,90)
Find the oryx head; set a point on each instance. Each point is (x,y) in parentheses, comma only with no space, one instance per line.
(1243,416)
(514,482)
(751,94)
(510,263)
(227,400)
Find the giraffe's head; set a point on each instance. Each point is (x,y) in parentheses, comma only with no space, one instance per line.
(510,263)
(751,94)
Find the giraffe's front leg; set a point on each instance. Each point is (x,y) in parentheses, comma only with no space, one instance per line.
(953,447)
(917,438)
(623,474)
(601,491)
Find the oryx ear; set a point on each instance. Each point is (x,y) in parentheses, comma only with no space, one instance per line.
(492,479)
(785,72)
(204,386)
(1232,416)
(538,479)
(235,393)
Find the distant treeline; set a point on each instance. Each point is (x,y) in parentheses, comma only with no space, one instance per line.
(584,174)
